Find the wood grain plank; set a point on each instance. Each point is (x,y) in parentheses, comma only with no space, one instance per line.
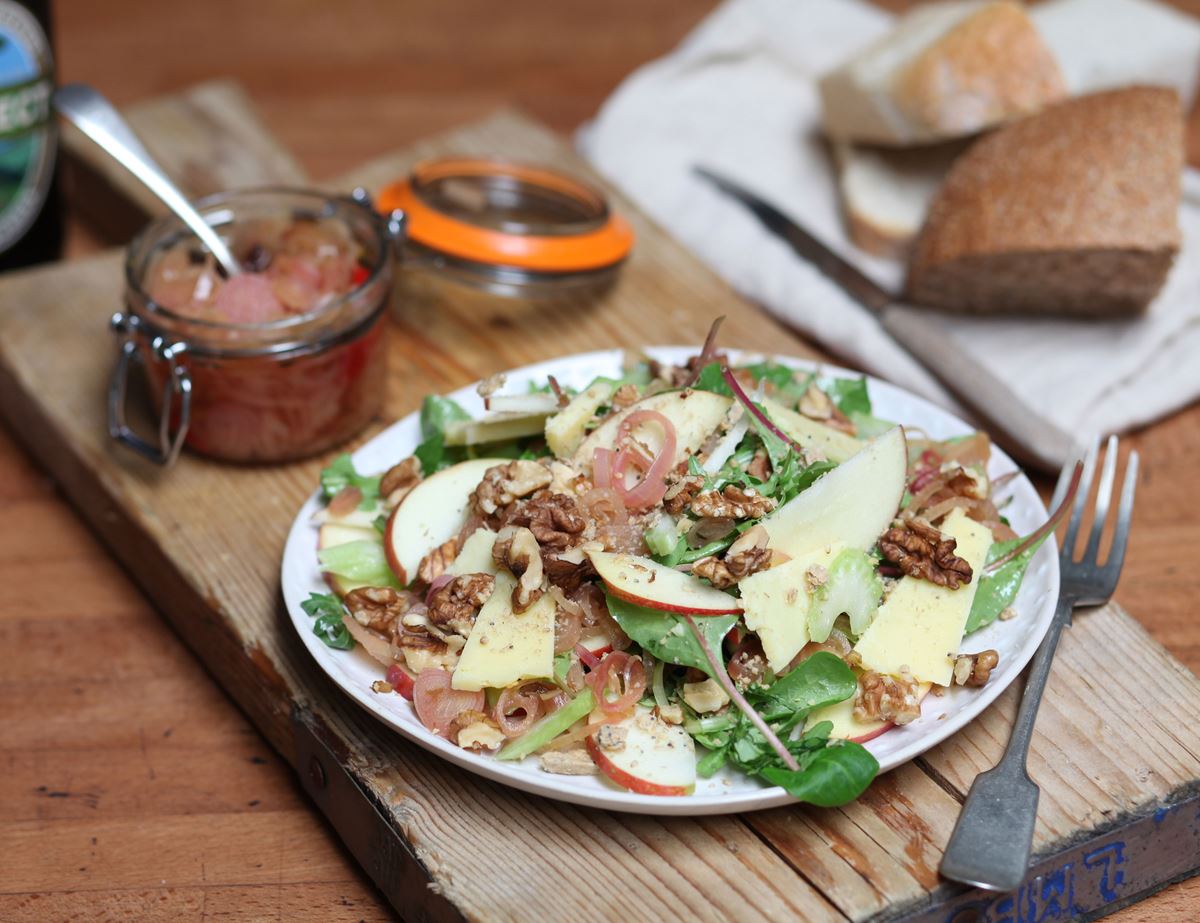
(878,853)
(332,901)
(277,847)
(159,778)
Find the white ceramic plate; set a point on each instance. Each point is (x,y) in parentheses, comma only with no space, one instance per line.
(1015,640)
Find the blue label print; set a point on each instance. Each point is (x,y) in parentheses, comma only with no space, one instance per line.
(27,140)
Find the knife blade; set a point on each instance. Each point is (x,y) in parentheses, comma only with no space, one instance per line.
(913,329)
(848,277)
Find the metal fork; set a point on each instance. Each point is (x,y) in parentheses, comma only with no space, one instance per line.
(991,842)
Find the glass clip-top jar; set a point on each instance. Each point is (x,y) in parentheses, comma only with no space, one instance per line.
(511,230)
(283,361)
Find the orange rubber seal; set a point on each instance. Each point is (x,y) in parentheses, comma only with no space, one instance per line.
(598,244)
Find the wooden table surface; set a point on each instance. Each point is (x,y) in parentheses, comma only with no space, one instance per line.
(102,814)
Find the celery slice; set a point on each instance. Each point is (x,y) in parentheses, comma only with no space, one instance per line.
(546,729)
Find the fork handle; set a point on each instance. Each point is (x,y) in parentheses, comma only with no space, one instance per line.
(1035,685)
(993,837)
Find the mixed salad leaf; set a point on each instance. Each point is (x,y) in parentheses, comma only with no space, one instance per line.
(328,625)
(341,474)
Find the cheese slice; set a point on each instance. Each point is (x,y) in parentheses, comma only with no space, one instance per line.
(775,605)
(476,555)
(506,647)
(811,434)
(567,428)
(920,625)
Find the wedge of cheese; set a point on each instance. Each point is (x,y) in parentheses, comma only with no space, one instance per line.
(775,605)
(920,625)
(811,434)
(506,647)
(496,427)
(476,555)
(567,428)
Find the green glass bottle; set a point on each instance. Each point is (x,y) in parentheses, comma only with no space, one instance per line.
(30,211)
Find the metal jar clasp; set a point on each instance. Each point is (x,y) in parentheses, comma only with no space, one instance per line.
(177,393)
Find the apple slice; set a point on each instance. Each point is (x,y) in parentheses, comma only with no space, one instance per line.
(647,583)
(694,414)
(430,514)
(334,533)
(810,434)
(853,504)
(655,758)
(596,643)
(846,726)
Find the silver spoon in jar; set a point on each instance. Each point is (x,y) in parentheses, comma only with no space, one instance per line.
(96,117)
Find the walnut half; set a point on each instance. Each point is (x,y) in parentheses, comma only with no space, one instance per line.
(887,698)
(724,573)
(456,604)
(378,607)
(975,669)
(732,502)
(502,484)
(920,550)
(516,549)
(399,479)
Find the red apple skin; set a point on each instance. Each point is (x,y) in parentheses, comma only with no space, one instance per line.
(632,783)
(667,607)
(388,554)
(862,739)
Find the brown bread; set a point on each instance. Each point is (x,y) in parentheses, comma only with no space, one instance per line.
(1071,211)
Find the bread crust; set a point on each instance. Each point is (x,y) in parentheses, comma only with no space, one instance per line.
(990,68)
(1096,175)
(989,65)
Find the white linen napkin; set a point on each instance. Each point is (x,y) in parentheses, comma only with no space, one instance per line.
(739,96)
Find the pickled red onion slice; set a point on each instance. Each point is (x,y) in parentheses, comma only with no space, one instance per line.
(437,705)
(621,676)
(602,467)
(438,582)
(518,708)
(761,418)
(650,489)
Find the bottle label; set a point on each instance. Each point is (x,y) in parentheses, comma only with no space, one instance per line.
(27,132)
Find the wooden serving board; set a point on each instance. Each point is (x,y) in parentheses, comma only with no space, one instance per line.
(1117,753)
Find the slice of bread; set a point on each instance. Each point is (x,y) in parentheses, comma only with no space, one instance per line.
(1071,211)
(885,192)
(946,70)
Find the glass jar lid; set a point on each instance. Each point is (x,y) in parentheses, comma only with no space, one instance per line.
(508,222)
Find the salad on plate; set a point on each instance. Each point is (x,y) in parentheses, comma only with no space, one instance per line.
(672,572)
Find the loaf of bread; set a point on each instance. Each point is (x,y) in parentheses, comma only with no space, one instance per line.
(946,70)
(1071,211)
(885,192)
